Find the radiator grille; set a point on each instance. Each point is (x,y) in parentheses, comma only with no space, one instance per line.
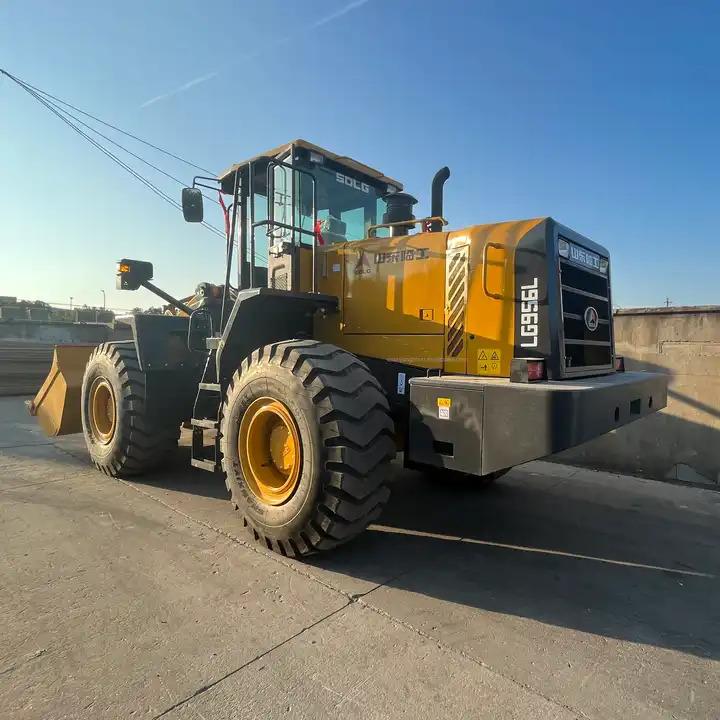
(279,281)
(583,292)
(456,294)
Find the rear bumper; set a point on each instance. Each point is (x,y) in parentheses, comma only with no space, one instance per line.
(479,425)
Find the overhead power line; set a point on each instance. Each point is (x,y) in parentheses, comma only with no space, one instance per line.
(36,92)
(107,124)
(74,123)
(151,186)
(124,149)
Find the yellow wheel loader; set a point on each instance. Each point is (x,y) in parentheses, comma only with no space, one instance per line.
(347,330)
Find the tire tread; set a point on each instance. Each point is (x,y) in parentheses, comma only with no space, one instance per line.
(148,443)
(357,434)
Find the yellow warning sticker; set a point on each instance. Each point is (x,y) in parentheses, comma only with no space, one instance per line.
(443,406)
(488,361)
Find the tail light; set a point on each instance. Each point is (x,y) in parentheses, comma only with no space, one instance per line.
(619,363)
(527,370)
(535,370)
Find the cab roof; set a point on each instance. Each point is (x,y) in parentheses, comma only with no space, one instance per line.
(282,151)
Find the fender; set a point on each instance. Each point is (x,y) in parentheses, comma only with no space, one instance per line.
(172,371)
(263,315)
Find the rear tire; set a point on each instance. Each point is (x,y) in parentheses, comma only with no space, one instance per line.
(339,419)
(121,439)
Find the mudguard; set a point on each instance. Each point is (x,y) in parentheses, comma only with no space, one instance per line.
(263,315)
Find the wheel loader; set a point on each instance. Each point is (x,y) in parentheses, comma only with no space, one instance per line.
(348,330)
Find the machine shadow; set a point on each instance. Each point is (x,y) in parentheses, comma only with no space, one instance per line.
(616,558)
(657,444)
(179,476)
(603,559)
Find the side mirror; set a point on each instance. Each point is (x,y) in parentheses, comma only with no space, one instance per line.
(199,329)
(131,274)
(192,205)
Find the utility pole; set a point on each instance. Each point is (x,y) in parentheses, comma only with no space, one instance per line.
(103,292)
(71,297)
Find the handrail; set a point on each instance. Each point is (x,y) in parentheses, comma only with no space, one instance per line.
(272,223)
(406,223)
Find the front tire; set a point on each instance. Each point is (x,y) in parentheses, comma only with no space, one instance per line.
(120,436)
(306,438)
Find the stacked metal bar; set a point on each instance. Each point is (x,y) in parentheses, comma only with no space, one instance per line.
(23,366)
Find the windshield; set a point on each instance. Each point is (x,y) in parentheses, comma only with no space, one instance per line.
(346,206)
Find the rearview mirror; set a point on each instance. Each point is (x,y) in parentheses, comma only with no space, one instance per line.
(192,205)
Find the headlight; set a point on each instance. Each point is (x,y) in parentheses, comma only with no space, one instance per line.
(563,247)
(603,265)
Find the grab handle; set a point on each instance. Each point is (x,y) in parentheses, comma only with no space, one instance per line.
(498,246)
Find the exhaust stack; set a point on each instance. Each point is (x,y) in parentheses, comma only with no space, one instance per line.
(436,197)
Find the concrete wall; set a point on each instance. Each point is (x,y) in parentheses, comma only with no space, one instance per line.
(54,333)
(26,349)
(683,441)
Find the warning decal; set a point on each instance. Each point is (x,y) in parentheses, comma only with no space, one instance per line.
(443,405)
(488,361)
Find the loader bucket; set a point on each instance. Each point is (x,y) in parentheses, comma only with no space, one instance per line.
(57,403)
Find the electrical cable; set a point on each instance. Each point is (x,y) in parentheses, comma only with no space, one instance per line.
(151,186)
(129,152)
(64,115)
(107,124)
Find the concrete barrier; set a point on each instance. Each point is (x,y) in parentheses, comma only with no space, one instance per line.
(683,441)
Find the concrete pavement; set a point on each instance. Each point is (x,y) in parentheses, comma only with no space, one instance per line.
(558,593)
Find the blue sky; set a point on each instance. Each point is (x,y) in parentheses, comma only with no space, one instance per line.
(603,115)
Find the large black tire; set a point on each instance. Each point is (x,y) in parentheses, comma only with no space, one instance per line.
(346,437)
(136,444)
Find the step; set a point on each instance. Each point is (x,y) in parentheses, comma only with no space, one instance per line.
(212,343)
(215,387)
(205,465)
(199,422)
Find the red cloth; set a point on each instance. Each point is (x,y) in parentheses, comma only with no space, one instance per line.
(226,214)
(318,235)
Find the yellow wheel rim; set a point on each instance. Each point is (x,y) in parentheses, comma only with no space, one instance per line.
(102,411)
(269,450)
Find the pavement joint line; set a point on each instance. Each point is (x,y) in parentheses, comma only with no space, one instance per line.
(355,597)
(544,551)
(351,599)
(70,476)
(72,454)
(259,656)
(22,445)
(471,658)
(279,559)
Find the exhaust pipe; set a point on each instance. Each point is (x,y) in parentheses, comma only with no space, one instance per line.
(436,197)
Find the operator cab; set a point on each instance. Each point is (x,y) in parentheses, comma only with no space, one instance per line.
(292,200)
